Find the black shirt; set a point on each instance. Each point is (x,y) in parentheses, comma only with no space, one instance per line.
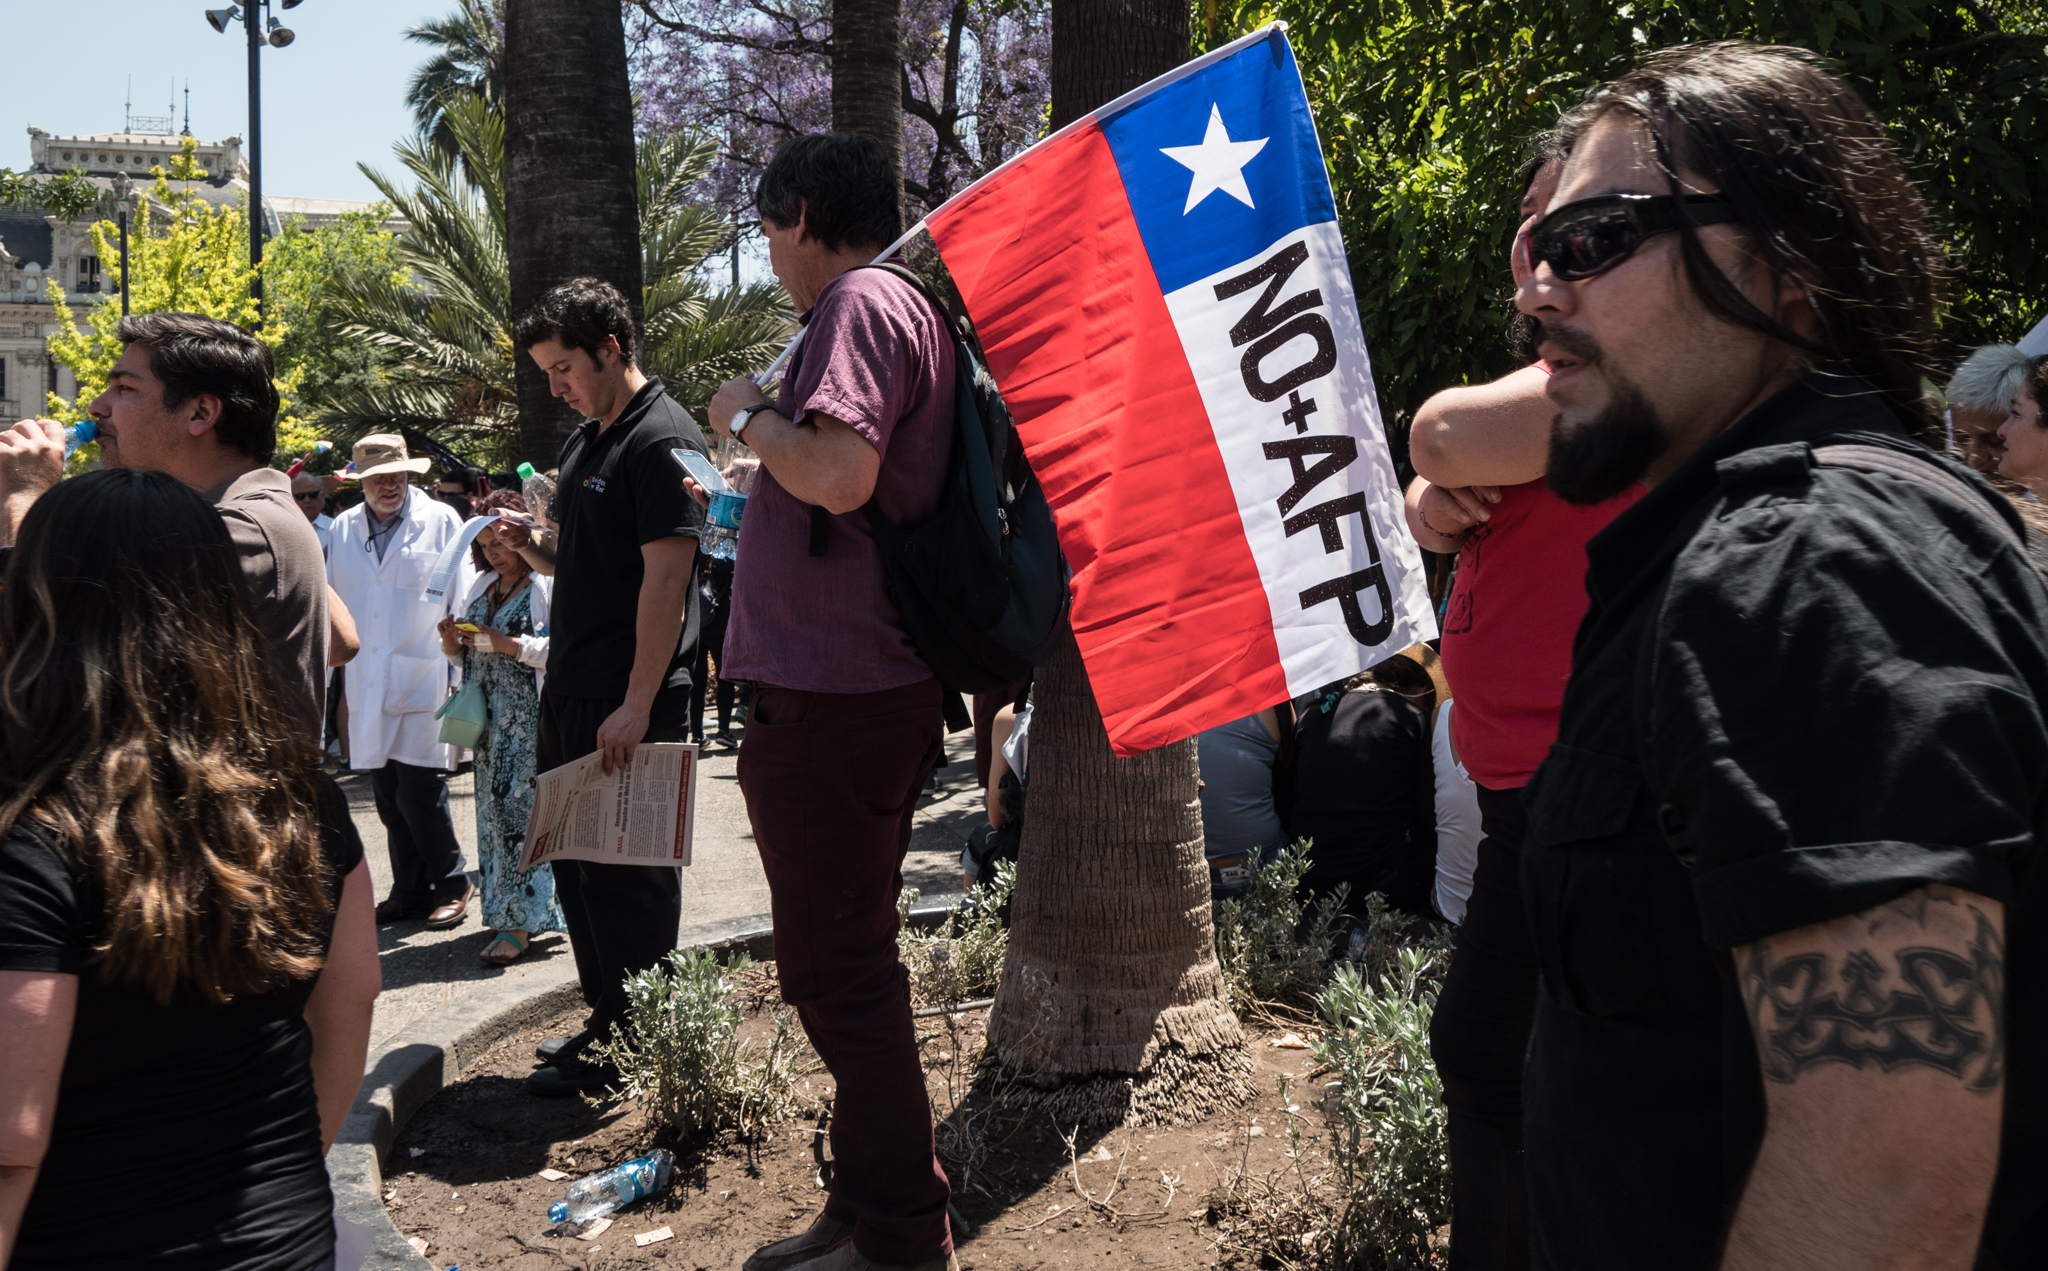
(1365,795)
(186,1137)
(620,487)
(1799,692)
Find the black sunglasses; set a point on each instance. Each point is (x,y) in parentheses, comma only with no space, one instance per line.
(1592,236)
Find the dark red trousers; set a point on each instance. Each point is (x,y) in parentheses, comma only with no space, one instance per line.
(831,782)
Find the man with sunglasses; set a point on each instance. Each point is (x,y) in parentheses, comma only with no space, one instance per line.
(1517,598)
(1781,868)
(311,498)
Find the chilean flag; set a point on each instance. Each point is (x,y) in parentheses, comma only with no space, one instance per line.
(1162,294)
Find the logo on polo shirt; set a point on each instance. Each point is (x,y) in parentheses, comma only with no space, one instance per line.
(594,484)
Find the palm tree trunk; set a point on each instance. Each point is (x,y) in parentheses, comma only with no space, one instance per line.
(867,73)
(1112,988)
(1102,49)
(570,206)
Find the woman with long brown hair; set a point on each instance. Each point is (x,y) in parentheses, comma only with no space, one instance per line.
(187,959)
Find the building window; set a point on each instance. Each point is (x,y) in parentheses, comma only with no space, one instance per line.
(89,274)
(67,156)
(3,377)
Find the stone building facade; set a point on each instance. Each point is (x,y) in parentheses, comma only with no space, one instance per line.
(35,249)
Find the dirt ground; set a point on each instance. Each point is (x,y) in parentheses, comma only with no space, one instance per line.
(465,1175)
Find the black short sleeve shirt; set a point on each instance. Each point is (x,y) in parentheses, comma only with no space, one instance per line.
(1800,691)
(186,1137)
(620,487)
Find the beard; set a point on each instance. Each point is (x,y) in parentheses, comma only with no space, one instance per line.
(1593,460)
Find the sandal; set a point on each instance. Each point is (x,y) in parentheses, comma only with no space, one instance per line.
(504,937)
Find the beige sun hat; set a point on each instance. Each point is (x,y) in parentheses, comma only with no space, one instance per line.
(380,453)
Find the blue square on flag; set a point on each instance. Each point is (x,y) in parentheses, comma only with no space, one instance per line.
(1221,163)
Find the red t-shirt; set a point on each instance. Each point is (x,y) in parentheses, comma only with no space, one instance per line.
(1514,608)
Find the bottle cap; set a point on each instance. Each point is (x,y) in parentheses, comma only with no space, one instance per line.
(83,431)
(526,472)
(559,1211)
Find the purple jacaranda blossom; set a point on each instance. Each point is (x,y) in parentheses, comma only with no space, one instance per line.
(976,84)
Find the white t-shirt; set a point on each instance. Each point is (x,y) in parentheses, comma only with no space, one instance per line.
(321,524)
(1457,823)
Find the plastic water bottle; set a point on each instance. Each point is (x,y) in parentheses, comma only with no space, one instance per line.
(615,1188)
(538,488)
(721,538)
(78,434)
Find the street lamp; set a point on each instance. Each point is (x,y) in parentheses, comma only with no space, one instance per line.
(124,199)
(279,36)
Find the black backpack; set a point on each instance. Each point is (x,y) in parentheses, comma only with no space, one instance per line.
(981,583)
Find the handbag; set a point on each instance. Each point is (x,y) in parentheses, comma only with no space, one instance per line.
(464,716)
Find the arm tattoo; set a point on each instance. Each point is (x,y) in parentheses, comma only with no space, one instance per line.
(1950,1015)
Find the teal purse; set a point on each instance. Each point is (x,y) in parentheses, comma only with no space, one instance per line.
(464,716)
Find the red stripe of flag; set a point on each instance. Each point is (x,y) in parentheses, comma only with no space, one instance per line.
(1050,265)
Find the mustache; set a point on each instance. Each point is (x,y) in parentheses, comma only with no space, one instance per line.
(1568,340)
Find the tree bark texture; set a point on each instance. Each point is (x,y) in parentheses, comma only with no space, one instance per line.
(571,210)
(1102,49)
(1112,956)
(867,73)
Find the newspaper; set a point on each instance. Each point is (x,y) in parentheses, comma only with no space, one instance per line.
(643,814)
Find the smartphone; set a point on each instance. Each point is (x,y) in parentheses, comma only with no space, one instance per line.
(702,470)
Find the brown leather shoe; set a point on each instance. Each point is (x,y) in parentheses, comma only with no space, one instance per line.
(820,1237)
(449,913)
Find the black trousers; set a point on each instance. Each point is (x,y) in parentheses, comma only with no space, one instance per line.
(1479,1038)
(426,858)
(710,648)
(622,918)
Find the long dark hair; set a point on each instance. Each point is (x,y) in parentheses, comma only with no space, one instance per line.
(1820,191)
(141,729)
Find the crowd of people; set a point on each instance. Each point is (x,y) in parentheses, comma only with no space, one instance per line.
(1730,768)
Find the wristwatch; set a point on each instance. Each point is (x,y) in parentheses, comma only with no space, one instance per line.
(745,415)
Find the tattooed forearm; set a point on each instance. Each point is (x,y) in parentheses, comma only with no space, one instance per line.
(1881,998)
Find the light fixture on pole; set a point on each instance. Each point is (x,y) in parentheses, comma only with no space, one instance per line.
(252,13)
(124,198)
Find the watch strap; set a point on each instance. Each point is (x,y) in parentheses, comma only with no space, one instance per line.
(745,415)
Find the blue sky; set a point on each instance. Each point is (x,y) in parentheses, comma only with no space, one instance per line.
(333,98)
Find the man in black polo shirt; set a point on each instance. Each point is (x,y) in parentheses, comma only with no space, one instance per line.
(624,621)
(1782,864)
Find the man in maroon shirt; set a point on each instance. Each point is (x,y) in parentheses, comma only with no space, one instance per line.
(845,724)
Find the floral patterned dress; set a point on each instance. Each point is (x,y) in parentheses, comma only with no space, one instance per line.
(514,899)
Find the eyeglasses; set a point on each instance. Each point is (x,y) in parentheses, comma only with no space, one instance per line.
(1592,236)
(310,495)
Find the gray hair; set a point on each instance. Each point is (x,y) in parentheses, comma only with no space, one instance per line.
(1988,379)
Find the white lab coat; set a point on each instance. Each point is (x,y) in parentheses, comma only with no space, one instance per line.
(533,649)
(399,679)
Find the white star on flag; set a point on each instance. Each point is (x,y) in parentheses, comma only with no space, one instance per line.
(1218,163)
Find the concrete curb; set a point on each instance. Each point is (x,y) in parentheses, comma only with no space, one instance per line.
(436,1052)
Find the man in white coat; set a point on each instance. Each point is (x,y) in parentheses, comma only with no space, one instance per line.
(379,557)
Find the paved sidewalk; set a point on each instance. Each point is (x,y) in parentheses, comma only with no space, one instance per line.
(427,971)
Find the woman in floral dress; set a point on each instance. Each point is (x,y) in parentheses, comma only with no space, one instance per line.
(507,654)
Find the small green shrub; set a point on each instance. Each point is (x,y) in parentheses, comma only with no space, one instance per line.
(1267,953)
(681,1050)
(963,959)
(1386,1120)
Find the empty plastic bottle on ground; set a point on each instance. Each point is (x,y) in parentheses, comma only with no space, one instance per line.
(615,1188)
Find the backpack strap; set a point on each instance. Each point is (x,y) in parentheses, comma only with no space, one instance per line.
(1922,472)
(821,519)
